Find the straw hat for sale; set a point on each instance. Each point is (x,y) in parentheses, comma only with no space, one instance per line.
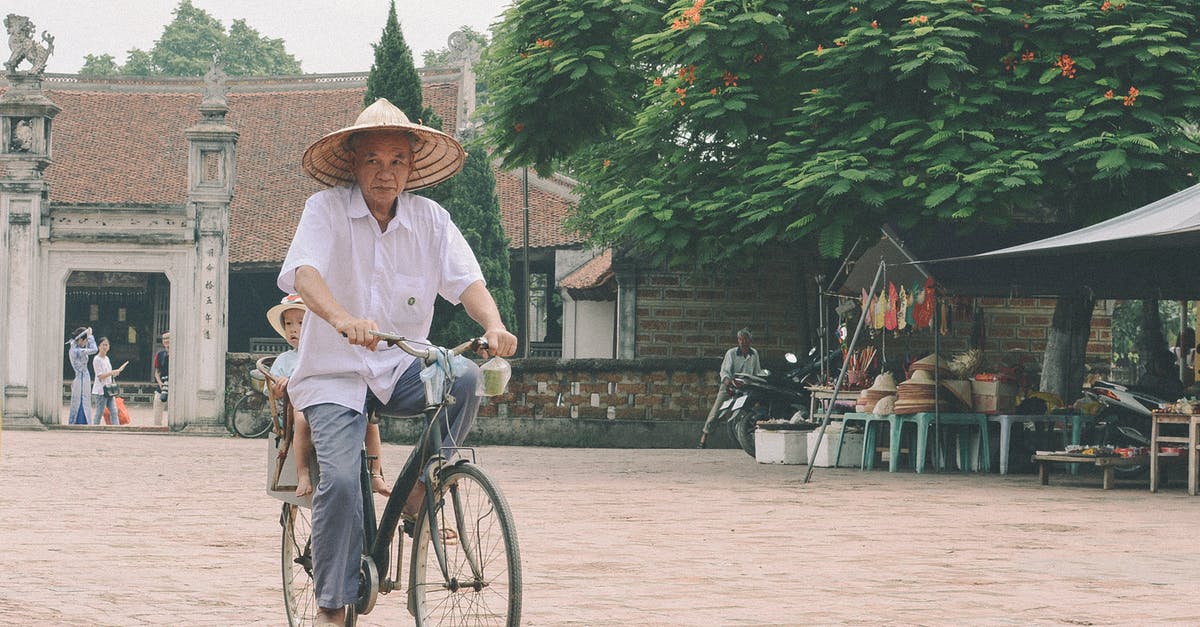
(929,362)
(436,155)
(916,394)
(884,382)
(961,389)
(275,314)
(885,406)
(884,386)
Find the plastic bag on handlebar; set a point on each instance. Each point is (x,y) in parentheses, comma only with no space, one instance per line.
(493,377)
(439,375)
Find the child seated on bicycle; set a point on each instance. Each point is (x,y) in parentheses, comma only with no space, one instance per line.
(286,318)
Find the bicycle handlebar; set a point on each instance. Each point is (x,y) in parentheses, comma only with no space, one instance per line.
(428,354)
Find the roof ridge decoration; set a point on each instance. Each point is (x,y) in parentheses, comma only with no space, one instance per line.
(214,88)
(24,48)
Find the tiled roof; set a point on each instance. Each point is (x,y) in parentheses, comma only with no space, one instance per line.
(124,144)
(596,272)
(549,204)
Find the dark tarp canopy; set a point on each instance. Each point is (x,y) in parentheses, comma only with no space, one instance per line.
(1151,252)
(900,251)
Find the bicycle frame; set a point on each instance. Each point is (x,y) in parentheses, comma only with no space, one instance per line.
(377,537)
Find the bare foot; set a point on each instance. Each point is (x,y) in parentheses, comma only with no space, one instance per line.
(380,486)
(303,483)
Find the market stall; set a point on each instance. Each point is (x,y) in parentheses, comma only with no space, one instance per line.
(1149,252)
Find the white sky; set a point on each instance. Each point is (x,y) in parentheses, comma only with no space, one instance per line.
(325,35)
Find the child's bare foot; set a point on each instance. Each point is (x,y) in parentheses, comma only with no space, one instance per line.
(303,484)
(380,486)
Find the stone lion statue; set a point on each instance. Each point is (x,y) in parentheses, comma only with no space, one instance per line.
(24,48)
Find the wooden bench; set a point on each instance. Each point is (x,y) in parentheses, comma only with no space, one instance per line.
(1106,464)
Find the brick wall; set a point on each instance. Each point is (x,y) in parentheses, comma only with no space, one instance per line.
(698,314)
(670,390)
(606,389)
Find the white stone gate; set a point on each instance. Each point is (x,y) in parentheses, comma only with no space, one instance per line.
(44,244)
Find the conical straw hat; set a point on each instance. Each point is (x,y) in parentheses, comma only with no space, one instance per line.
(436,155)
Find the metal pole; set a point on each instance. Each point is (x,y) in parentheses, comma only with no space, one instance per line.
(527,331)
(837,385)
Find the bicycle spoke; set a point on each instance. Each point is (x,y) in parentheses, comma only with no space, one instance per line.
(483,580)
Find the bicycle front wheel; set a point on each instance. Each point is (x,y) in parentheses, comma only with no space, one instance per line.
(251,416)
(482,585)
(299,595)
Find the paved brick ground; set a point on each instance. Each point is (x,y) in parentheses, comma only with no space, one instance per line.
(103,528)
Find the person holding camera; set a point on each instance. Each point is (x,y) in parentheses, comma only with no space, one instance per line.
(161,366)
(104,388)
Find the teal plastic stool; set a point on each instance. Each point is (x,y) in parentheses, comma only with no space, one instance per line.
(924,421)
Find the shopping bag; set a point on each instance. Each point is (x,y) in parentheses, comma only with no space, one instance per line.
(122,412)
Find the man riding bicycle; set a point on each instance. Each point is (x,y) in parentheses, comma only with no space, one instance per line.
(368,255)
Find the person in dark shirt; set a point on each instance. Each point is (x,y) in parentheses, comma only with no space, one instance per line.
(162,363)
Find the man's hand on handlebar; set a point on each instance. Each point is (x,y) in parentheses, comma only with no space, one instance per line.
(500,342)
(358,332)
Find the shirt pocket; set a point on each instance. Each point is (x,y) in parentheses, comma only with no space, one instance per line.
(409,305)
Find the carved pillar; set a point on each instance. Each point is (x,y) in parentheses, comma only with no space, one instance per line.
(626,272)
(25,141)
(211,158)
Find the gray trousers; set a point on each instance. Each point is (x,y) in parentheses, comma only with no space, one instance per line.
(722,396)
(337,516)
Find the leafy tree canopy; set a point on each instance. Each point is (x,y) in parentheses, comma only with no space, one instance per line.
(702,129)
(187,46)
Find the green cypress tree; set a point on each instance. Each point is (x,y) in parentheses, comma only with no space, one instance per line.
(475,208)
(470,196)
(394,76)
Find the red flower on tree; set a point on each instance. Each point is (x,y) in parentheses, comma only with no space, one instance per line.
(687,73)
(1132,97)
(731,79)
(690,17)
(1067,64)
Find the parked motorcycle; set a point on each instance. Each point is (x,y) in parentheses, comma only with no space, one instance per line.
(772,396)
(1125,419)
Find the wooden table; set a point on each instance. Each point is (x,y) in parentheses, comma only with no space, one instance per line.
(1189,441)
(820,399)
(1106,464)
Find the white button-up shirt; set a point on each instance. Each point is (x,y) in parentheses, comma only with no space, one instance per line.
(391,277)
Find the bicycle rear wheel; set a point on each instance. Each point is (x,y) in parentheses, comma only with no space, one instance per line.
(251,416)
(299,595)
(482,558)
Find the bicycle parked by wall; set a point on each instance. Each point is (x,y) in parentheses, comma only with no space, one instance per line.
(251,413)
(464,565)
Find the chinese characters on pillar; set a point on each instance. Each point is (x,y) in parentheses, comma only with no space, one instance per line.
(208,308)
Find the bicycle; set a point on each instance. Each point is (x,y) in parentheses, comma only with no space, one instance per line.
(464,567)
(251,416)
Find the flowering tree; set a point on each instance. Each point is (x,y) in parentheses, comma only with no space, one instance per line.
(702,129)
